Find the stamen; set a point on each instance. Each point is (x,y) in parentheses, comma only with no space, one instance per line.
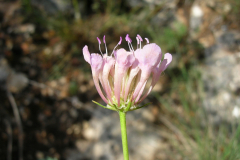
(137,41)
(147,40)
(104,39)
(120,41)
(99,42)
(105,44)
(128,39)
(130,46)
(140,38)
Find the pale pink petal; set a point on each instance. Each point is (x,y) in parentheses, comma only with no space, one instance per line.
(133,72)
(96,82)
(119,74)
(86,54)
(157,72)
(145,74)
(96,62)
(96,65)
(112,71)
(109,64)
(140,93)
(150,55)
(168,59)
(146,94)
(124,60)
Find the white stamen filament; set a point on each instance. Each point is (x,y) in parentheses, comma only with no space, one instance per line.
(147,40)
(137,41)
(130,46)
(140,39)
(117,45)
(106,48)
(114,48)
(99,43)
(100,49)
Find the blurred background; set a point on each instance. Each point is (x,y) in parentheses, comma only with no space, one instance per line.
(46,87)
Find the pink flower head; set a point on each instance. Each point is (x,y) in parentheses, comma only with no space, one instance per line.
(123,74)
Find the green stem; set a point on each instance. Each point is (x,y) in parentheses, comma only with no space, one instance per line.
(122,116)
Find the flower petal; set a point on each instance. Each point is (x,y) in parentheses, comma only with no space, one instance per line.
(150,55)
(96,62)
(108,65)
(145,74)
(167,60)
(96,82)
(140,93)
(124,60)
(133,72)
(118,76)
(157,72)
(86,54)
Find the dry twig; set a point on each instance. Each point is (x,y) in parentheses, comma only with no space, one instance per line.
(9,132)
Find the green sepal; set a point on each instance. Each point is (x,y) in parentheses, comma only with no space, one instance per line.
(128,107)
(141,106)
(114,109)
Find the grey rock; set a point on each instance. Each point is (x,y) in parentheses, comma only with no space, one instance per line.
(9,79)
(222,79)
(103,136)
(24,28)
(4,70)
(52,6)
(143,3)
(135,3)
(229,41)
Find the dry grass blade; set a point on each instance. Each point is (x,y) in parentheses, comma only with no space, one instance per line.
(187,143)
(19,124)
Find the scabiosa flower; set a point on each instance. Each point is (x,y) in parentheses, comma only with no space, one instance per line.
(120,77)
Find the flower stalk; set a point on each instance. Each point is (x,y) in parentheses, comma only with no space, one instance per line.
(122,116)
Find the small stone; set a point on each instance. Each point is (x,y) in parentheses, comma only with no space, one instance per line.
(76,103)
(73,112)
(236,112)
(147,114)
(196,17)
(83,145)
(93,130)
(17,82)
(39,155)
